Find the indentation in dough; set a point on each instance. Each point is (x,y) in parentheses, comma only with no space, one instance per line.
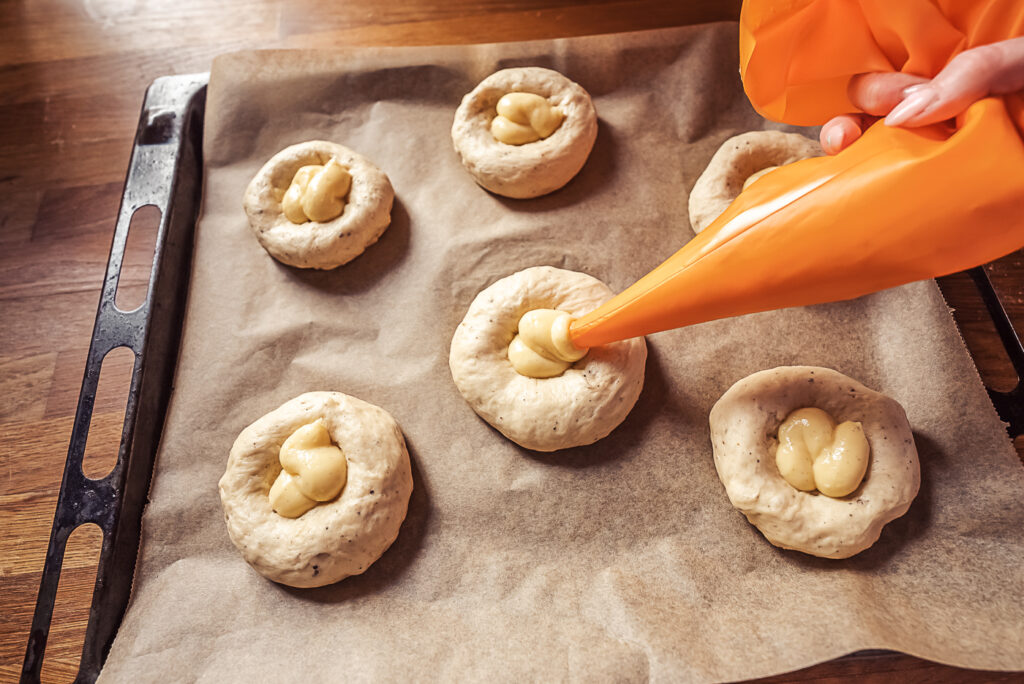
(738,163)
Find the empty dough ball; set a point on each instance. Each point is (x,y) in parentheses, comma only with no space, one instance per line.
(744,427)
(534,168)
(738,159)
(329,242)
(578,407)
(334,539)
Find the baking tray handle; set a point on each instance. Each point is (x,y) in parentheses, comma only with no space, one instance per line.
(165,172)
(1009,405)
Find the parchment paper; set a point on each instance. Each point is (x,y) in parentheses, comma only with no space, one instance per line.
(622,560)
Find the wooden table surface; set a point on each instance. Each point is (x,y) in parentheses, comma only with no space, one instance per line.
(72,77)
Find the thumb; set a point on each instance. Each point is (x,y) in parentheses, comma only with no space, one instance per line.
(875,94)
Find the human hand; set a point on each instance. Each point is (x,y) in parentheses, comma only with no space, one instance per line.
(911,101)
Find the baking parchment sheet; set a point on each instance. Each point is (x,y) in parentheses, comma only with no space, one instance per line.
(621,560)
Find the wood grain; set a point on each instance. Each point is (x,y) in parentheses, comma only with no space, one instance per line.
(72,76)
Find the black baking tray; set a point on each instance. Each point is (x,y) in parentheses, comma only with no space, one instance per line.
(166,172)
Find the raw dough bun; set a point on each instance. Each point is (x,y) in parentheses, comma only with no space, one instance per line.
(739,158)
(744,426)
(333,540)
(580,406)
(312,244)
(536,168)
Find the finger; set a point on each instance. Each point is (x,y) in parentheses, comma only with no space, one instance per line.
(965,80)
(840,131)
(877,94)
(976,73)
(1009,78)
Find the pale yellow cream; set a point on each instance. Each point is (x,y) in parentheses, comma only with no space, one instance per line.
(524,118)
(317,193)
(815,453)
(753,177)
(542,349)
(314,470)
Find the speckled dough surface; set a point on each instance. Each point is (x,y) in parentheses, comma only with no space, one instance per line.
(313,244)
(738,159)
(536,168)
(333,540)
(744,424)
(580,406)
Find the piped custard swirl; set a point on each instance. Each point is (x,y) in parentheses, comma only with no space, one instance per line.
(313,471)
(815,453)
(317,193)
(542,349)
(524,118)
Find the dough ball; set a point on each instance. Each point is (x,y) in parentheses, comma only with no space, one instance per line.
(580,406)
(744,426)
(313,244)
(738,159)
(335,539)
(536,168)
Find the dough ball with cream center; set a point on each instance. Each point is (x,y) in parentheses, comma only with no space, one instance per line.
(539,157)
(580,406)
(336,538)
(323,216)
(744,427)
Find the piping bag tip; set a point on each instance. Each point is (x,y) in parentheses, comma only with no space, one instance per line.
(577,334)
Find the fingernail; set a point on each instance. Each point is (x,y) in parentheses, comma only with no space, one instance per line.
(913,105)
(835,141)
(910,90)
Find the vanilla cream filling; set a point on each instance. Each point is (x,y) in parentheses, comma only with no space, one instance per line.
(543,349)
(815,453)
(524,118)
(317,193)
(313,470)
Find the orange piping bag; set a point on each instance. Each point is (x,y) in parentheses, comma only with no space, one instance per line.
(896,206)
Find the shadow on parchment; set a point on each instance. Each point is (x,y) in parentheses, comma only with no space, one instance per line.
(363,272)
(597,172)
(337,91)
(393,564)
(896,534)
(626,435)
